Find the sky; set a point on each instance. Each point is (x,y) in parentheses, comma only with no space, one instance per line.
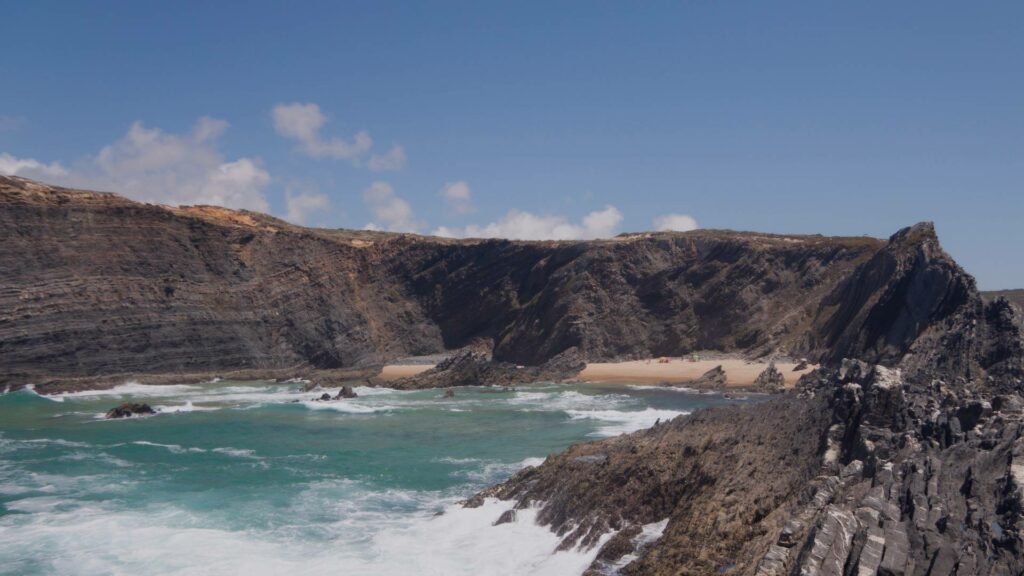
(537,119)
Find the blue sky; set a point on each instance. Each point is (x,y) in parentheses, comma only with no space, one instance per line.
(565,119)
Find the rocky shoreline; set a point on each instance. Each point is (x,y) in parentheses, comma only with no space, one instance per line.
(901,454)
(911,465)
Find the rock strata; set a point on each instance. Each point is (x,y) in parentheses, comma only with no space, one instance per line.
(770,380)
(97,288)
(475,366)
(903,459)
(713,379)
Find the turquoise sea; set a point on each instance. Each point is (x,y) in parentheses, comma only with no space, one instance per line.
(255,478)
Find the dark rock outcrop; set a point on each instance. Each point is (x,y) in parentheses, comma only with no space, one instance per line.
(770,380)
(129,409)
(904,459)
(346,392)
(98,287)
(713,379)
(475,366)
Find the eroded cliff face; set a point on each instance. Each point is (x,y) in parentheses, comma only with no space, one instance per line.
(904,457)
(96,285)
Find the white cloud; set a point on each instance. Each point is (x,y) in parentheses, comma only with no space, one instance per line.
(675,222)
(301,205)
(302,122)
(390,162)
(150,165)
(459,197)
(518,225)
(393,213)
(12,166)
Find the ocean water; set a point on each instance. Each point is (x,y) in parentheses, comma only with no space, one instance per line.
(254,478)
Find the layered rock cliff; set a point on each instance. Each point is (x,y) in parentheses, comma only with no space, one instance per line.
(902,455)
(97,285)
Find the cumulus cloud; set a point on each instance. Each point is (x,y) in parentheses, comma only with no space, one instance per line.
(390,212)
(301,205)
(302,122)
(458,196)
(390,162)
(12,166)
(675,222)
(519,225)
(150,165)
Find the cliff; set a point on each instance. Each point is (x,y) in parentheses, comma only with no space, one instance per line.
(98,286)
(902,455)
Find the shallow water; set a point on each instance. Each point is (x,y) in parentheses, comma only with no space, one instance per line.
(236,478)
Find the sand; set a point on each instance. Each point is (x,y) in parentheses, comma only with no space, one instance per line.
(738,372)
(396,371)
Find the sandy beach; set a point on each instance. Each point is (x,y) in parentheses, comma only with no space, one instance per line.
(396,371)
(739,373)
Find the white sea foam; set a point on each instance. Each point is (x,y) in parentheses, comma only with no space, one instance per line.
(496,471)
(683,389)
(345,407)
(622,421)
(173,448)
(51,397)
(133,389)
(186,407)
(649,534)
(94,539)
(236,452)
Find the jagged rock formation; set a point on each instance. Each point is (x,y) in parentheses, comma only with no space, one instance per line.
(129,409)
(97,286)
(474,365)
(770,380)
(901,459)
(713,379)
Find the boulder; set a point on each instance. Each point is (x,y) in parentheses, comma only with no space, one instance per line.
(324,397)
(506,517)
(346,392)
(129,409)
(713,379)
(771,380)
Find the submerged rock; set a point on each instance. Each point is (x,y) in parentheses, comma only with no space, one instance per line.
(449,393)
(129,409)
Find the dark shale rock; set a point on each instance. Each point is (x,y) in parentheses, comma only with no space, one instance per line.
(770,380)
(506,517)
(346,392)
(129,409)
(713,379)
(912,466)
(219,291)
